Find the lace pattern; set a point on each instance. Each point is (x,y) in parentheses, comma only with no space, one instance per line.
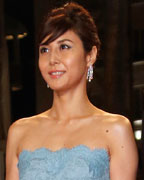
(78,163)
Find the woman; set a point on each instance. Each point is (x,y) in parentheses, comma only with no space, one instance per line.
(73,139)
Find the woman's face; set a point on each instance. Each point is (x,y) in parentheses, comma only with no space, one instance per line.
(63,62)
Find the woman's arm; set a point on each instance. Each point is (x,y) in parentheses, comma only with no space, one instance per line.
(11,154)
(124,157)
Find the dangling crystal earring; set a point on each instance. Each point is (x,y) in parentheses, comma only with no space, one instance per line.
(90,73)
(47,86)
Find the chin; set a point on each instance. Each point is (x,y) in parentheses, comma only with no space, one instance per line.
(58,88)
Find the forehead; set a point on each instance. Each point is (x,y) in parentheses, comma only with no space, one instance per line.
(69,35)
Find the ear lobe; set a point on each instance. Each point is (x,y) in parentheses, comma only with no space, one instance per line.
(92,56)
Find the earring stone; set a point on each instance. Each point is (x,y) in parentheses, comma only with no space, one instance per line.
(90,73)
(47,86)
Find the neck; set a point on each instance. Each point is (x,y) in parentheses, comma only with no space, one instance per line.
(70,104)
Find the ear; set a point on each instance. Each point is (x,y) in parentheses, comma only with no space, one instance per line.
(91,57)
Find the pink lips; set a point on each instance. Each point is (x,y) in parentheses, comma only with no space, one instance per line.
(56,73)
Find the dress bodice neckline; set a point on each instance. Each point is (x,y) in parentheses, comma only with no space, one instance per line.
(64,149)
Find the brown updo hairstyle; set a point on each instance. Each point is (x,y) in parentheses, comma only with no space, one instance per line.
(70,16)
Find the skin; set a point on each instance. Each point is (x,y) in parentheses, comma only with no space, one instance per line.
(72,119)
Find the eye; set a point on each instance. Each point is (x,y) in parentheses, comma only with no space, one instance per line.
(44,50)
(64,46)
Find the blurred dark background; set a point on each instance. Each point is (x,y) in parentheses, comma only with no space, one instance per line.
(118,84)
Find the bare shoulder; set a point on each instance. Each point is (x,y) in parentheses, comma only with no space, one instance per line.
(120,132)
(122,147)
(20,127)
(118,124)
(114,122)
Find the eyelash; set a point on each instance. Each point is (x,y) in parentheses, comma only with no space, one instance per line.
(62,47)
(42,50)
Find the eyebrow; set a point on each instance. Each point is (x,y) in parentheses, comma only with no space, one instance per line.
(63,40)
(60,41)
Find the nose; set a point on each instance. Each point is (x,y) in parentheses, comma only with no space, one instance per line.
(54,57)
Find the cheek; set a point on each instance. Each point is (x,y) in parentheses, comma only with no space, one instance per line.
(42,65)
(42,68)
(78,66)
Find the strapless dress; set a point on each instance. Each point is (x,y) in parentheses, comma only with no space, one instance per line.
(77,163)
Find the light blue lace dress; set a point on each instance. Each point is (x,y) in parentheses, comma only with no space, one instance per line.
(78,163)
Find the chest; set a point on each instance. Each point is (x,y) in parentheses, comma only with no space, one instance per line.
(56,137)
